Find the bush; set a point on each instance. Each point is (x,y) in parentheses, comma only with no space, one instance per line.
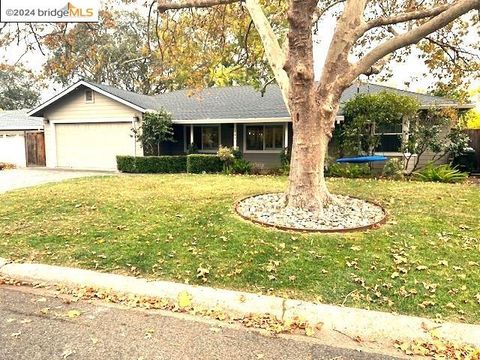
(443,173)
(241,166)
(198,163)
(152,164)
(227,157)
(393,169)
(349,170)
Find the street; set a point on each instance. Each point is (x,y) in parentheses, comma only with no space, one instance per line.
(36,324)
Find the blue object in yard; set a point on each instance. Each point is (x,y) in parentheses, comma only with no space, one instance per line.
(362,159)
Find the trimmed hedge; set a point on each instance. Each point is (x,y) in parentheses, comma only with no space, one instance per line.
(152,164)
(199,163)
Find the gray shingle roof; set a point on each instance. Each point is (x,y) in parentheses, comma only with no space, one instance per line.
(243,102)
(144,101)
(19,120)
(236,102)
(239,102)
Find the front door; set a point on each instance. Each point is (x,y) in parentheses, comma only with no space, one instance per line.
(35,144)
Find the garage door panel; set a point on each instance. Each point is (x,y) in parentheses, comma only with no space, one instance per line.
(92,145)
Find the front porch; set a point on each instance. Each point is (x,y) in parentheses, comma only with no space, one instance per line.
(260,142)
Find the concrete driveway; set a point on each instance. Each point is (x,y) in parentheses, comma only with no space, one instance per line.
(23,178)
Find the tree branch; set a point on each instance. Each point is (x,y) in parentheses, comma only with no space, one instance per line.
(413,36)
(400,18)
(319,12)
(164,5)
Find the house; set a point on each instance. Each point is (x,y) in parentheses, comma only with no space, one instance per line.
(88,124)
(21,139)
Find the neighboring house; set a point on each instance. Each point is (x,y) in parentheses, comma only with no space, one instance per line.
(21,139)
(88,124)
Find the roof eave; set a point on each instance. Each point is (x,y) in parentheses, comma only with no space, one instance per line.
(90,86)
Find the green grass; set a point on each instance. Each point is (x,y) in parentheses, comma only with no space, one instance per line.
(424,261)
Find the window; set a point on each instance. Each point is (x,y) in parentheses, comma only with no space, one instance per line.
(210,137)
(89,96)
(390,137)
(264,137)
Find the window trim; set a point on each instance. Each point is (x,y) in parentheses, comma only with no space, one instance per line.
(405,125)
(210,151)
(92,101)
(264,151)
(186,139)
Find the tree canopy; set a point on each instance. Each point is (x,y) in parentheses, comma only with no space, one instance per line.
(19,88)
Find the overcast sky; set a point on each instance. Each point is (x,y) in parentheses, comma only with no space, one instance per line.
(413,72)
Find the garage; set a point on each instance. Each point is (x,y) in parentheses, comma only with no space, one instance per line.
(92,145)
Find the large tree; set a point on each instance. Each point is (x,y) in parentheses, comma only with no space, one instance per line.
(366,36)
(134,49)
(19,88)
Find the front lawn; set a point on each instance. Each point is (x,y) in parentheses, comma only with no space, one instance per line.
(425,261)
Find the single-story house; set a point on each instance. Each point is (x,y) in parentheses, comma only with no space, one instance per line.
(21,139)
(88,124)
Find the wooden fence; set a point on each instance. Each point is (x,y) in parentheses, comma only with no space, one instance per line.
(475,144)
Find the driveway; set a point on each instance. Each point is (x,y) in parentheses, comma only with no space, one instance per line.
(23,178)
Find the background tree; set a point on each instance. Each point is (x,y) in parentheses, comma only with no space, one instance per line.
(156,128)
(371,31)
(143,52)
(19,88)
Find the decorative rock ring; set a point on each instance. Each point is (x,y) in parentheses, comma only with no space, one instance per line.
(374,225)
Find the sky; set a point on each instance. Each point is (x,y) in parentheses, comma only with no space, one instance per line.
(412,72)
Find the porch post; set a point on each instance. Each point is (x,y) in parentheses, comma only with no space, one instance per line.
(285,145)
(235,136)
(191,135)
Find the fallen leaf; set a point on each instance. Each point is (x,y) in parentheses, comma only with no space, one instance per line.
(73,313)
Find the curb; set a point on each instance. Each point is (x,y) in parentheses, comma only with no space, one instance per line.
(369,325)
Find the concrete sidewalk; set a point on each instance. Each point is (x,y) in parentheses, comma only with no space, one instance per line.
(372,326)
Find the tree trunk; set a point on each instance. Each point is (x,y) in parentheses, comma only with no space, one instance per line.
(306,187)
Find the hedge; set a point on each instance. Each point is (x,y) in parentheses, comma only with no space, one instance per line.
(152,164)
(197,163)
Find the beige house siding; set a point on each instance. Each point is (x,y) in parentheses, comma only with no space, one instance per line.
(12,148)
(97,123)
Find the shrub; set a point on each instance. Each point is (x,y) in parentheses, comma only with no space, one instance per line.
(152,164)
(226,156)
(393,168)
(349,170)
(6,166)
(443,173)
(241,166)
(285,157)
(198,163)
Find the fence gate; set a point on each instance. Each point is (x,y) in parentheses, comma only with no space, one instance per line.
(35,148)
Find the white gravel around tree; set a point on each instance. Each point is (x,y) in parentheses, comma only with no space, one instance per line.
(343,213)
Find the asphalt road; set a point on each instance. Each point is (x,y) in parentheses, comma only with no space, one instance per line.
(37,325)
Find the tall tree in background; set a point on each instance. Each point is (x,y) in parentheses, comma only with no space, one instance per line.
(371,30)
(149,55)
(19,88)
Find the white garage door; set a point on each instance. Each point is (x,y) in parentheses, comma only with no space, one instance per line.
(93,146)
(12,148)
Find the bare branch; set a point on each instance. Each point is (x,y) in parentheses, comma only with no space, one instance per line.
(319,12)
(164,5)
(412,15)
(413,36)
